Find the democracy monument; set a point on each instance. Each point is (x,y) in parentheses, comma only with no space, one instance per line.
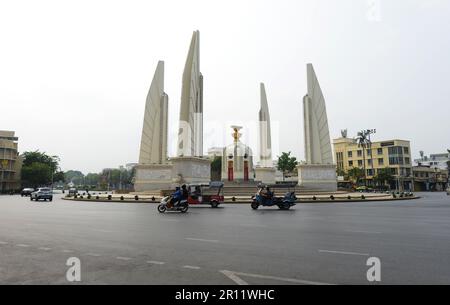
(157,171)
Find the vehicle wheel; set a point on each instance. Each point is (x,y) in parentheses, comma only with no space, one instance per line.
(45,199)
(255,205)
(214,204)
(162,208)
(184,209)
(51,199)
(31,198)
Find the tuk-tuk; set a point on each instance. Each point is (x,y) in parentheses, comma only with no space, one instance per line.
(211,194)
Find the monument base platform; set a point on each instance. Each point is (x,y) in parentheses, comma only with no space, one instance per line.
(190,170)
(320,177)
(153,177)
(265,175)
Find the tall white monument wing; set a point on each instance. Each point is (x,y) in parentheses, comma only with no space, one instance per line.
(190,135)
(154,131)
(317,135)
(265,138)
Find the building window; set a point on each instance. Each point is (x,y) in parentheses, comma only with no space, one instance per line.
(360,163)
(380,151)
(369,172)
(380,161)
(393,160)
(369,152)
(350,163)
(407,161)
(350,154)
(359,153)
(406,150)
(369,162)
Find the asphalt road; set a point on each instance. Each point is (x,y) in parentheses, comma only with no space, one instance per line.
(131,243)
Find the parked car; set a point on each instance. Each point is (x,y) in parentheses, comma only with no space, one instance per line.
(73,191)
(362,189)
(44,193)
(26,192)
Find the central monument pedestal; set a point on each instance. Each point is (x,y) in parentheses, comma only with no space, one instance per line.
(153,177)
(190,170)
(317,177)
(265,175)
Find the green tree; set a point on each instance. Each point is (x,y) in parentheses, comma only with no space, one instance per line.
(36,174)
(363,142)
(92,179)
(74,176)
(384,176)
(286,163)
(356,174)
(39,168)
(216,168)
(59,177)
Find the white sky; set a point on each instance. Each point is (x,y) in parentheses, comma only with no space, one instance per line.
(74,75)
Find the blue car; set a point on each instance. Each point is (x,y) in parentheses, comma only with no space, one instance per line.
(268,199)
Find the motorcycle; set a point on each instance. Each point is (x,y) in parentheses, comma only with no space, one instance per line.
(283,203)
(167,205)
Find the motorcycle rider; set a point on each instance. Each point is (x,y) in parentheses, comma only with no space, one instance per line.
(181,194)
(176,197)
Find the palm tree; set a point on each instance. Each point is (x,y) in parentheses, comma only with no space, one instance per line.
(363,142)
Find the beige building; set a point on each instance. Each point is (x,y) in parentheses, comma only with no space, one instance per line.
(10,162)
(428,178)
(393,154)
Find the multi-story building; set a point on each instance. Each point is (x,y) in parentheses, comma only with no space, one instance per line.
(10,162)
(440,161)
(392,154)
(429,178)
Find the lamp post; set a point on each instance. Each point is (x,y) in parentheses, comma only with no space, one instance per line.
(370,132)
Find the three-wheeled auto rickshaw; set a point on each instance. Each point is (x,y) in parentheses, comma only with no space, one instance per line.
(211,194)
(265,196)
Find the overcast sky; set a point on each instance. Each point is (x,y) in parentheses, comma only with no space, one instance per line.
(74,75)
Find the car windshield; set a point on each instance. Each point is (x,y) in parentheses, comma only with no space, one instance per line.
(45,190)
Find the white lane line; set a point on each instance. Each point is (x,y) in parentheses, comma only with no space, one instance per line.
(44,249)
(121,258)
(3,243)
(364,232)
(200,239)
(234,276)
(67,251)
(343,252)
(231,275)
(104,231)
(23,245)
(93,254)
(191,267)
(155,263)
(253,225)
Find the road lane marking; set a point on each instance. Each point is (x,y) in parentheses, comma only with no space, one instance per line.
(365,232)
(3,243)
(253,225)
(44,249)
(93,254)
(231,275)
(104,231)
(121,258)
(155,263)
(344,253)
(67,251)
(200,239)
(191,267)
(23,245)
(234,276)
